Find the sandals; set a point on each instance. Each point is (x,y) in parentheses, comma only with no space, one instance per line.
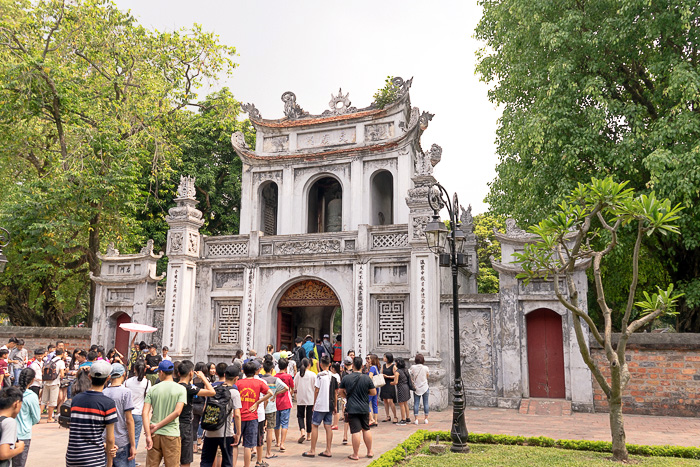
(302,439)
(345,442)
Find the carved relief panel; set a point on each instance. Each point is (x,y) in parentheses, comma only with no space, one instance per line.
(476,348)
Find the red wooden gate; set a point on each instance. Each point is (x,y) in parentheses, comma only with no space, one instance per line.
(545,354)
(284,329)
(121,338)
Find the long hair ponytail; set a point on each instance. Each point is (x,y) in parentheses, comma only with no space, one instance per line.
(304,366)
(140,369)
(26,377)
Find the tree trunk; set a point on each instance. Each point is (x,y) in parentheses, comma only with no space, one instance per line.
(617,426)
(93,261)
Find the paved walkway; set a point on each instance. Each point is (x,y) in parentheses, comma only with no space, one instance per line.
(49,441)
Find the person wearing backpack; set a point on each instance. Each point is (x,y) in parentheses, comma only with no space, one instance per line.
(51,375)
(222,421)
(186,371)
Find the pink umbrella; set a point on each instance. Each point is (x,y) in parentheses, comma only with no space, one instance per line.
(136,327)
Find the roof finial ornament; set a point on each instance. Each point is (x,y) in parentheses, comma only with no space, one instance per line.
(404,86)
(339,104)
(291,109)
(424,119)
(252,112)
(186,188)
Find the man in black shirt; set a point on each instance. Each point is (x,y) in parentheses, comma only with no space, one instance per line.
(186,371)
(152,362)
(356,387)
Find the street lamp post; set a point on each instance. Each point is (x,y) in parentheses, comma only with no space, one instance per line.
(4,240)
(437,236)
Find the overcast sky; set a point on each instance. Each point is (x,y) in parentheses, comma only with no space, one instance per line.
(314,47)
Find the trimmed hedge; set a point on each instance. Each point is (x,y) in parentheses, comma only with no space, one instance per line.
(417,439)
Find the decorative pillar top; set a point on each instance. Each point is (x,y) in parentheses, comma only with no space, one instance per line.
(185,211)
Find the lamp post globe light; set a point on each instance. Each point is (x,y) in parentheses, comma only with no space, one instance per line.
(4,240)
(448,245)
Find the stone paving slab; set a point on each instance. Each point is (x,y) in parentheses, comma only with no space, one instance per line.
(49,440)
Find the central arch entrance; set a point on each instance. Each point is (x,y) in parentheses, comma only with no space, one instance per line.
(307,307)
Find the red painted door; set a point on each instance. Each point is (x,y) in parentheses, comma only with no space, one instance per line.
(121,339)
(284,329)
(545,354)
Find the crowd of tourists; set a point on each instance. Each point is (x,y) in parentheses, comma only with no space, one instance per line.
(217,411)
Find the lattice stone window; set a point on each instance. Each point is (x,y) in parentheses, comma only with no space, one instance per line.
(228,322)
(391,240)
(228,249)
(391,322)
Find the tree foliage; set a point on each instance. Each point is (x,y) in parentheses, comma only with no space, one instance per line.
(487,247)
(601,209)
(90,102)
(597,88)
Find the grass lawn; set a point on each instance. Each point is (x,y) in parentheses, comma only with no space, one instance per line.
(526,456)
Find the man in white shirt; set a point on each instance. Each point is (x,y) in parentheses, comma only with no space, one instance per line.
(324,407)
(49,396)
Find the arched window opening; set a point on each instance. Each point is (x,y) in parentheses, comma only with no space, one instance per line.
(382,198)
(268,208)
(325,206)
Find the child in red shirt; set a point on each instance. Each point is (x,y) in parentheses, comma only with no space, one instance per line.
(250,389)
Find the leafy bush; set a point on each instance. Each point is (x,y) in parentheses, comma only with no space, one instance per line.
(417,439)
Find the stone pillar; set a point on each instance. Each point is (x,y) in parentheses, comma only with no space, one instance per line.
(425,280)
(183,252)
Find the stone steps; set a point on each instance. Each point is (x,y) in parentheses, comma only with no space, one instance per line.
(552,407)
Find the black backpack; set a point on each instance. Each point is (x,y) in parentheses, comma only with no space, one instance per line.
(64,414)
(49,373)
(216,410)
(297,356)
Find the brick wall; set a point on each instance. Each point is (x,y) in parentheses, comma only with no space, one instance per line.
(665,375)
(35,337)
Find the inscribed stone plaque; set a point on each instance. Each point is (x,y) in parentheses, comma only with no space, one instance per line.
(326,138)
(379,131)
(228,279)
(276,143)
(476,345)
(120,295)
(390,274)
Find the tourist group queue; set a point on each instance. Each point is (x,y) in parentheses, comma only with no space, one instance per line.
(209,409)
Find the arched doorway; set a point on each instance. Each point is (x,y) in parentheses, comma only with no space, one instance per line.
(545,354)
(307,307)
(268,208)
(382,194)
(121,338)
(325,208)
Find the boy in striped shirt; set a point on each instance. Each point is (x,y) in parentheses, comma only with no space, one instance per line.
(92,415)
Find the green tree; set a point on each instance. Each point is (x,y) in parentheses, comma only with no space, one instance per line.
(595,88)
(602,208)
(89,101)
(487,247)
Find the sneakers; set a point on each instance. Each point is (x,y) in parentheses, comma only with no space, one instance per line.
(415,421)
(426,421)
(402,423)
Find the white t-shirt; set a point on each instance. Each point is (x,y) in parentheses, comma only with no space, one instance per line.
(9,432)
(37,367)
(305,387)
(138,392)
(60,365)
(419,374)
(261,407)
(323,383)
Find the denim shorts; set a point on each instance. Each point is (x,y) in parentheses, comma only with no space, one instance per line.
(249,433)
(282,419)
(322,417)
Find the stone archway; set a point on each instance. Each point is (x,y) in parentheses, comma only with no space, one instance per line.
(307,307)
